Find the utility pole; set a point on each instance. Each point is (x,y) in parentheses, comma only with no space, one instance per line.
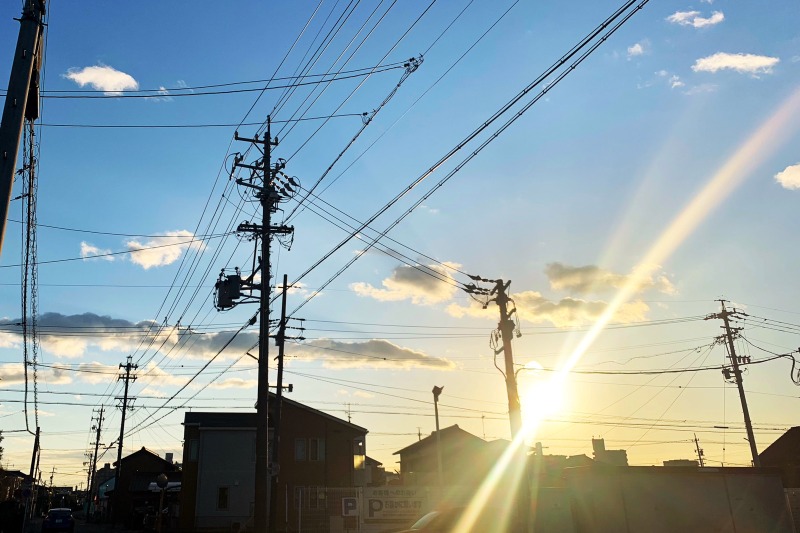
(437,391)
(699,451)
(269,186)
(127,378)
(280,341)
(725,315)
(93,463)
(29,498)
(22,99)
(505,332)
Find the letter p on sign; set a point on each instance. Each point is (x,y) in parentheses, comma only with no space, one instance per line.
(349,506)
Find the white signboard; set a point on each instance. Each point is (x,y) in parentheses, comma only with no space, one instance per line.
(393,505)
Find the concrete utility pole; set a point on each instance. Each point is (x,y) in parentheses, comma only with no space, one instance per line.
(28,499)
(22,99)
(699,451)
(269,193)
(93,463)
(127,378)
(437,391)
(280,340)
(506,329)
(725,315)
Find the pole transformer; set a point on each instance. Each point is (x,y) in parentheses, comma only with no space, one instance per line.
(725,315)
(22,99)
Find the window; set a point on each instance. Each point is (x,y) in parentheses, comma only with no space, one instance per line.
(222,498)
(316,449)
(299,497)
(194,448)
(300,450)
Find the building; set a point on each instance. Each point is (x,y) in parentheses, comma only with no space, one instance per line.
(609,457)
(682,462)
(466,458)
(322,458)
(131,500)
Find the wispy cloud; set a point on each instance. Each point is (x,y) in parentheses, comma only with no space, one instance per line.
(162,251)
(789,178)
(744,63)
(694,18)
(102,78)
(566,312)
(14,374)
(593,279)
(374,353)
(430,285)
(89,251)
(703,88)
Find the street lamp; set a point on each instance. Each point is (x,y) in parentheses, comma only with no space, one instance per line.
(436,392)
(161,482)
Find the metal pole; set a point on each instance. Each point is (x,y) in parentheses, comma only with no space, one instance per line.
(738,376)
(18,97)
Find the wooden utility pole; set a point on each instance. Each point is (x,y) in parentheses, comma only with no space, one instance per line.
(506,328)
(725,315)
(22,99)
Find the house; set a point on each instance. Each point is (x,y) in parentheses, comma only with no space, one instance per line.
(322,459)
(466,458)
(784,453)
(131,498)
(610,457)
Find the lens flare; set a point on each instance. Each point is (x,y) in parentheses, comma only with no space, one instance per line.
(762,143)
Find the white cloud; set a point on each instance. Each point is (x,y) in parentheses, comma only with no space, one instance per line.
(693,18)
(89,251)
(744,63)
(362,394)
(234,383)
(103,78)
(162,251)
(675,82)
(684,18)
(789,178)
(637,49)
(374,353)
(593,279)
(409,283)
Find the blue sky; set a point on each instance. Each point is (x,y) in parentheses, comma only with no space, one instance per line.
(567,203)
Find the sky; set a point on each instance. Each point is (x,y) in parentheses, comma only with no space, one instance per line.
(659,176)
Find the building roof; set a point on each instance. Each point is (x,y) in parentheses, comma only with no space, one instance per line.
(248,420)
(145,451)
(449,433)
(784,451)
